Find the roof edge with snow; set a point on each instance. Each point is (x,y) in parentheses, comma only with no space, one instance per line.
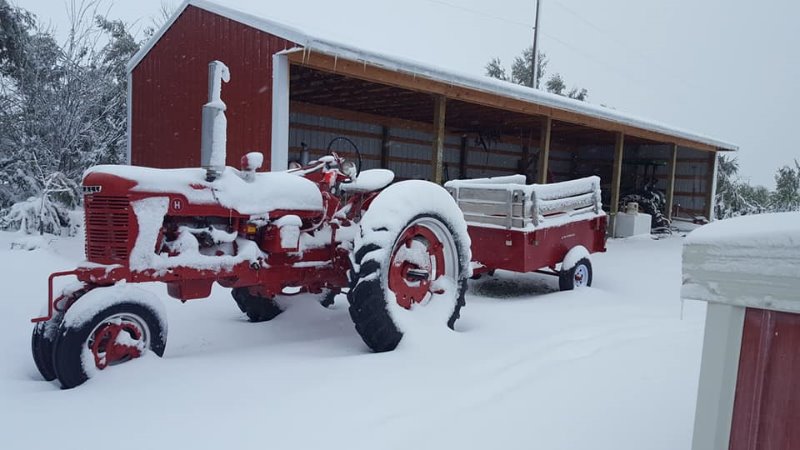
(483,84)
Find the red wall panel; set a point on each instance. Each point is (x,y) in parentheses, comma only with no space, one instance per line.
(766,411)
(170,86)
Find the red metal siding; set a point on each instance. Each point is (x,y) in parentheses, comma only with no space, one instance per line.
(170,86)
(766,412)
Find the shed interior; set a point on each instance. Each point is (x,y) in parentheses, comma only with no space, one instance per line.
(395,127)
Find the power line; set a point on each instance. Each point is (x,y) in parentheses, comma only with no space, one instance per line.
(568,46)
(483,14)
(619,42)
(599,61)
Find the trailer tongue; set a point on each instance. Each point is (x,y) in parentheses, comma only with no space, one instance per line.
(533,228)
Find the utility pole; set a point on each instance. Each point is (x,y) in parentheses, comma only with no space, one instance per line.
(535,56)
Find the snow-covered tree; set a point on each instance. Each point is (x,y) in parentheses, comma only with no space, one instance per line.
(63,110)
(556,84)
(521,74)
(495,69)
(735,196)
(14,24)
(786,196)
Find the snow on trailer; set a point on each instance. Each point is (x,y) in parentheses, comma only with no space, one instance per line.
(528,228)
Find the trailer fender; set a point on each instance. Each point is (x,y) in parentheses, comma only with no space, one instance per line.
(574,255)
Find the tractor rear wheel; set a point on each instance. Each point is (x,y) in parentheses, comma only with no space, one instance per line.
(404,272)
(257,308)
(113,335)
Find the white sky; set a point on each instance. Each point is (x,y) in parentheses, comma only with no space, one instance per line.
(724,68)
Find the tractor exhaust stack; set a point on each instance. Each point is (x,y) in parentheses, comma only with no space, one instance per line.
(214,129)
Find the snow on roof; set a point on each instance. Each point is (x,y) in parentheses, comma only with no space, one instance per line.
(746,261)
(765,231)
(254,14)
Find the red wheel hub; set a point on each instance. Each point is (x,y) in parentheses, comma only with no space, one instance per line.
(417,260)
(115,342)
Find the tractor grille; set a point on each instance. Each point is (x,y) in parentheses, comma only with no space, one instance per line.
(107,229)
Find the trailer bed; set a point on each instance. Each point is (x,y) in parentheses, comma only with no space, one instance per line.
(525,228)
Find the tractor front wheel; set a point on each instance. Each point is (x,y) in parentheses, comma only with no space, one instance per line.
(44,333)
(42,340)
(111,336)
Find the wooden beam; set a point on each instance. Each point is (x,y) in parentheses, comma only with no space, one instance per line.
(437,156)
(346,114)
(673,165)
(544,150)
(417,83)
(384,147)
(619,147)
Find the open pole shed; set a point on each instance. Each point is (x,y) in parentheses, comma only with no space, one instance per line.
(291,90)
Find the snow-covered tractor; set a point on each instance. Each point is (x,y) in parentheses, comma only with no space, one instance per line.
(323,228)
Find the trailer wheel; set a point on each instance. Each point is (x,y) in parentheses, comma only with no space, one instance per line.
(404,274)
(112,336)
(578,276)
(257,308)
(42,340)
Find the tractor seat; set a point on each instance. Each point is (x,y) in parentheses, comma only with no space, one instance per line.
(369,181)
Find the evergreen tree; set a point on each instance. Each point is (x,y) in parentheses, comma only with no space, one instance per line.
(521,74)
(521,68)
(14,26)
(735,196)
(495,69)
(578,94)
(786,196)
(556,84)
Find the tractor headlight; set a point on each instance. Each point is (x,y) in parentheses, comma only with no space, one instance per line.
(349,169)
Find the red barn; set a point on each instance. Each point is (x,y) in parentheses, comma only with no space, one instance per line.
(290,89)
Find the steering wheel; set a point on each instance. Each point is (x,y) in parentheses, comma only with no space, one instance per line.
(352,144)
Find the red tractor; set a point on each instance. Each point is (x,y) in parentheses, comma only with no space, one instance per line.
(321,228)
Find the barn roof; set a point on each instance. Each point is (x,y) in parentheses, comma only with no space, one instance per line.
(253,16)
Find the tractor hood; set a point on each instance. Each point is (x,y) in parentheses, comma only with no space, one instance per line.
(268,191)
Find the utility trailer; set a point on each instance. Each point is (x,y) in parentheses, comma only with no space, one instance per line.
(545,228)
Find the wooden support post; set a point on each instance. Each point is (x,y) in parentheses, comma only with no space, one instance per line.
(439,112)
(384,147)
(544,150)
(462,157)
(673,165)
(711,185)
(619,146)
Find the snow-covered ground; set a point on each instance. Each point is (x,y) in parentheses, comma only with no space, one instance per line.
(611,367)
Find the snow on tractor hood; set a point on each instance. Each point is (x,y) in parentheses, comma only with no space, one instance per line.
(269,191)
